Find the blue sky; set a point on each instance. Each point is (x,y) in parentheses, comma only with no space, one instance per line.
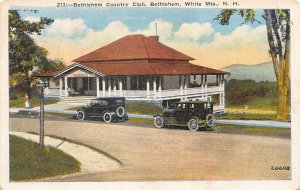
(135,18)
(190,30)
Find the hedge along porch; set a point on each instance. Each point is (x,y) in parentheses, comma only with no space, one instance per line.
(139,68)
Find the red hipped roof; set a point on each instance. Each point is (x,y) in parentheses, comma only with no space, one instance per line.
(138,55)
(134,47)
(150,68)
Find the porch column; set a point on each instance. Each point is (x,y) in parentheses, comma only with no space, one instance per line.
(159,87)
(223,103)
(120,86)
(154,87)
(181,85)
(137,82)
(115,86)
(185,84)
(109,86)
(148,88)
(128,83)
(97,86)
(66,87)
(60,87)
(103,86)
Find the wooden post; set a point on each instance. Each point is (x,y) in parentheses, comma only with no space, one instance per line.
(120,86)
(60,87)
(148,88)
(154,87)
(115,86)
(159,87)
(109,86)
(97,86)
(66,87)
(103,86)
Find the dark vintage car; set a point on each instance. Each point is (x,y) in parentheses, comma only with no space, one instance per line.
(109,109)
(194,114)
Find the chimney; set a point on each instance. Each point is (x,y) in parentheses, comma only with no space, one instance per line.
(154,38)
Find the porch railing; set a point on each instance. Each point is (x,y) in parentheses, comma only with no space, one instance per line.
(144,95)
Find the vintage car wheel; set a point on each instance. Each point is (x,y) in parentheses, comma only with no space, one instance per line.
(210,121)
(80,115)
(121,118)
(107,117)
(193,124)
(158,121)
(120,111)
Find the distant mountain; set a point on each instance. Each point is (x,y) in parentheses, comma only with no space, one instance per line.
(259,72)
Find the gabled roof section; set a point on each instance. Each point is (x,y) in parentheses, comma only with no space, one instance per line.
(69,68)
(134,47)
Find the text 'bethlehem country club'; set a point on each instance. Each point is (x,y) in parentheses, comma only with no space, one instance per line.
(146,4)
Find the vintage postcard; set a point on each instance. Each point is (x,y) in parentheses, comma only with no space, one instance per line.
(155,94)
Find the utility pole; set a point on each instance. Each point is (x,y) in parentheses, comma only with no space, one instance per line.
(42,86)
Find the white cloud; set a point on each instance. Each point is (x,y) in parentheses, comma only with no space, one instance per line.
(164,29)
(67,28)
(32,18)
(69,39)
(193,31)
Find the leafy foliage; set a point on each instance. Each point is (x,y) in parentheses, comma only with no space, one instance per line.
(25,57)
(278,32)
(238,92)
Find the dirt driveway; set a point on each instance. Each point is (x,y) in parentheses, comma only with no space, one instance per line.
(171,154)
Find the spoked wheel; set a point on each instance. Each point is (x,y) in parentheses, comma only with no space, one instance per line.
(193,125)
(107,117)
(120,111)
(80,115)
(158,121)
(210,122)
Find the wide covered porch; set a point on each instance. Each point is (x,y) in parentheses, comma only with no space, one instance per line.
(80,81)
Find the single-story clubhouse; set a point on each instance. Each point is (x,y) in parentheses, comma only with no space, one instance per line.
(139,68)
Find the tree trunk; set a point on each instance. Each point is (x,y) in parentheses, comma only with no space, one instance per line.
(282,106)
(280,62)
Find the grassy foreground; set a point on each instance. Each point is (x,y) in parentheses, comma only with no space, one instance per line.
(29,161)
(35,101)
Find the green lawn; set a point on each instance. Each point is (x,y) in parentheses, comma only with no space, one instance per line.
(255,130)
(29,161)
(140,120)
(63,115)
(263,103)
(145,109)
(35,101)
(248,116)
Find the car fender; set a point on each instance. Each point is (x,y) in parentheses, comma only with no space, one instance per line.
(197,118)
(158,115)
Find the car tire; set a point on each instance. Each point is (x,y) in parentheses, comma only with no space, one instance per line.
(210,122)
(80,115)
(120,111)
(107,117)
(158,121)
(121,119)
(193,124)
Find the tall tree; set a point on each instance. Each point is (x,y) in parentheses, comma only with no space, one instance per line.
(24,55)
(278,32)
